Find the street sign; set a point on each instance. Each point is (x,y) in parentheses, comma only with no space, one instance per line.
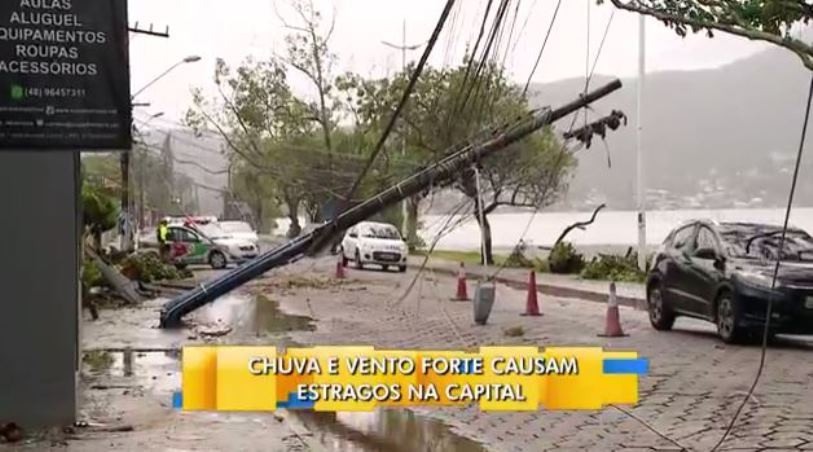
(64,75)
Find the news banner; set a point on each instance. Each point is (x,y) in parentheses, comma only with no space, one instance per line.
(259,378)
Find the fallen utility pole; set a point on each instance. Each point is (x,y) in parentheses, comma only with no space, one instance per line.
(445,169)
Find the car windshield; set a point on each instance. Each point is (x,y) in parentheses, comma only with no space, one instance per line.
(211,231)
(382,232)
(763,243)
(236,227)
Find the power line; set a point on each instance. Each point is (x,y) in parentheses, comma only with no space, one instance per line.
(542,49)
(769,308)
(413,80)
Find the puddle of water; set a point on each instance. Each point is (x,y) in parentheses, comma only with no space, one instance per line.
(384,430)
(257,314)
(156,371)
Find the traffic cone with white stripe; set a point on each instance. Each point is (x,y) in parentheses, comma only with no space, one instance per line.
(612,326)
(462,292)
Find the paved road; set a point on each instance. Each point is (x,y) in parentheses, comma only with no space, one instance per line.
(694,386)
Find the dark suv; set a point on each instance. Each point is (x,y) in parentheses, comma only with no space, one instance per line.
(722,272)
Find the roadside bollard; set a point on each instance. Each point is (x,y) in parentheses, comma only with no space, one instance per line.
(128,362)
(484,295)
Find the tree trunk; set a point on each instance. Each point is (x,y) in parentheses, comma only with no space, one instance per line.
(413,203)
(260,216)
(485,229)
(293,214)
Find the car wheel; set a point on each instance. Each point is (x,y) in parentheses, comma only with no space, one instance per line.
(726,319)
(217,260)
(359,264)
(402,268)
(660,316)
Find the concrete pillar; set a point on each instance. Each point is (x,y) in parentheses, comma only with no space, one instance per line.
(39,287)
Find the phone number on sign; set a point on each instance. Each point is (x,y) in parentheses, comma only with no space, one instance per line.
(55,92)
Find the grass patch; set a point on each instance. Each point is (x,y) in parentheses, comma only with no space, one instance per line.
(473,258)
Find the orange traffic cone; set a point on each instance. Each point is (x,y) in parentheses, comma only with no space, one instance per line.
(339,269)
(532,304)
(612,327)
(462,293)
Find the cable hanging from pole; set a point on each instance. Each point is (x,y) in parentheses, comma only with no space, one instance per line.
(771,299)
(413,80)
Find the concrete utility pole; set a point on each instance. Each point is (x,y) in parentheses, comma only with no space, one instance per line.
(403,48)
(639,152)
(141,173)
(127,238)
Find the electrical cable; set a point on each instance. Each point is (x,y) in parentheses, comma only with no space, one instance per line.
(769,307)
(570,129)
(511,31)
(541,50)
(524,25)
(412,82)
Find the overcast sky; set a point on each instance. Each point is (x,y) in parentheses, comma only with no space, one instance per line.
(235,29)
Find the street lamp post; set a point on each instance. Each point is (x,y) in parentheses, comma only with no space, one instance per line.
(127,241)
(141,172)
(403,48)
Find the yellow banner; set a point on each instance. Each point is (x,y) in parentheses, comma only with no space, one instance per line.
(229,378)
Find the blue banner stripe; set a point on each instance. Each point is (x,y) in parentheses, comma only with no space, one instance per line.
(177,399)
(639,366)
(295,403)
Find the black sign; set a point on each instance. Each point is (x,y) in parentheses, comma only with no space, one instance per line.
(64,75)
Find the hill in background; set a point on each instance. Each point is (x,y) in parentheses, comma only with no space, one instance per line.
(725,137)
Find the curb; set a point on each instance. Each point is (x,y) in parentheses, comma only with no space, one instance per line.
(549,289)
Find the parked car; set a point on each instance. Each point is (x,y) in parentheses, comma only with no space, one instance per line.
(723,273)
(205,244)
(240,230)
(374,243)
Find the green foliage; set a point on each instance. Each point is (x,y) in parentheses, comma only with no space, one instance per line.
(517,258)
(91,275)
(149,267)
(614,268)
(100,209)
(773,21)
(564,259)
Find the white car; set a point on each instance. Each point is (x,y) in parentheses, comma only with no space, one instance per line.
(375,243)
(240,230)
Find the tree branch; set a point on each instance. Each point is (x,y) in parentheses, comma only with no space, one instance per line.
(802,50)
(579,225)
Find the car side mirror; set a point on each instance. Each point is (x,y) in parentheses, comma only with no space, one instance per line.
(719,263)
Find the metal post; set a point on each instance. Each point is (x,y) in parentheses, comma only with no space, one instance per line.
(404,208)
(481,216)
(639,154)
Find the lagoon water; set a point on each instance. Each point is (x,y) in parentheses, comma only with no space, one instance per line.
(613,228)
(610,227)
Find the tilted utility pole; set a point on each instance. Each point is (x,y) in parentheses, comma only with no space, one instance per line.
(441,172)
